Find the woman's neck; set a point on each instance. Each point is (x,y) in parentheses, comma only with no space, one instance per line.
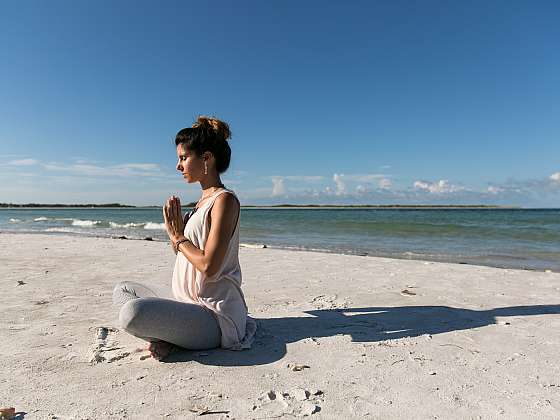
(211,188)
(210,184)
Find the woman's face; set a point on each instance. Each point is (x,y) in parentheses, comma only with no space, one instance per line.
(190,165)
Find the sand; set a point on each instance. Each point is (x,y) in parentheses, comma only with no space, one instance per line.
(340,337)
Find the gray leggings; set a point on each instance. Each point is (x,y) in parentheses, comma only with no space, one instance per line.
(149,315)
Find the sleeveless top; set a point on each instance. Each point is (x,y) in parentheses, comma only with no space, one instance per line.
(221,292)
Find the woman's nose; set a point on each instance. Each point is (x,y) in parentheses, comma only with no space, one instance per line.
(179,168)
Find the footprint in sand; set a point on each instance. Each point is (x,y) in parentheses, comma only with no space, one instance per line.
(329,302)
(105,348)
(298,402)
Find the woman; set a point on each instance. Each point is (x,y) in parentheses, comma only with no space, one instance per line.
(206,308)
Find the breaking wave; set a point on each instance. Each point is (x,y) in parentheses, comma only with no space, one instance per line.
(151,225)
(86,223)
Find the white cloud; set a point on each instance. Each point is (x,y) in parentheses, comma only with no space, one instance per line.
(360,189)
(120,170)
(23,162)
(495,190)
(385,183)
(343,184)
(67,180)
(366,183)
(383,189)
(340,185)
(139,166)
(55,167)
(278,186)
(440,187)
(364,178)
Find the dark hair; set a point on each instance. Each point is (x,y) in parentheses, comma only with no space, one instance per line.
(208,134)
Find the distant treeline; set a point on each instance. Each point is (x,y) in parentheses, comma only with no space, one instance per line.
(63,205)
(373,206)
(392,206)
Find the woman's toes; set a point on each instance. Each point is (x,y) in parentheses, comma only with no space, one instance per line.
(160,349)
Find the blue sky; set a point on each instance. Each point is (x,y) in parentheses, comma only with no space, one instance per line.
(358,102)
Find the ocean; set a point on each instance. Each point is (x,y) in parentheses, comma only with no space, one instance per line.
(509,238)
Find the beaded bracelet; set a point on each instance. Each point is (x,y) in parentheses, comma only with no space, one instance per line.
(179,242)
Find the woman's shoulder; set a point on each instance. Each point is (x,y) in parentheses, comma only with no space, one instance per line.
(228,198)
(225,204)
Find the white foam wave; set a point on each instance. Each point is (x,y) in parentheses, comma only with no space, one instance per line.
(126,225)
(85,223)
(259,246)
(15,220)
(99,223)
(154,226)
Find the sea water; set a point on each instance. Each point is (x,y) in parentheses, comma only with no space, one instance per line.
(513,238)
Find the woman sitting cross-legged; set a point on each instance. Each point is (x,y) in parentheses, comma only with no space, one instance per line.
(205,307)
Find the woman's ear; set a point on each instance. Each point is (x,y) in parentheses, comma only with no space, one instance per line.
(207,156)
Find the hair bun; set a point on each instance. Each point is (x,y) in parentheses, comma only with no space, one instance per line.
(220,128)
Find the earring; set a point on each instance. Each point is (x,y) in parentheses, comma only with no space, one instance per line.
(205,169)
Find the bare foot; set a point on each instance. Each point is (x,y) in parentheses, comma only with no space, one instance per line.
(159,350)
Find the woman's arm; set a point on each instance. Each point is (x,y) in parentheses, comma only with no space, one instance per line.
(223,216)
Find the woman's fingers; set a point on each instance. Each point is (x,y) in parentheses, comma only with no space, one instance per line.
(178,215)
(166,210)
(172,214)
(166,215)
(173,208)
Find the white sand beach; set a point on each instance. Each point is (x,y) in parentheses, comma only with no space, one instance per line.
(339,337)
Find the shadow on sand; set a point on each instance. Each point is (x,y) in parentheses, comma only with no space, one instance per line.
(362,324)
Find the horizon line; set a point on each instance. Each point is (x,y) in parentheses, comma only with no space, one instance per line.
(284,205)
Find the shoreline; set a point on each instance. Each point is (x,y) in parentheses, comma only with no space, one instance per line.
(295,207)
(339,336)
(416,257)
(282,206)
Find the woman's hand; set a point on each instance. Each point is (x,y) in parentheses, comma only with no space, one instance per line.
(173,218)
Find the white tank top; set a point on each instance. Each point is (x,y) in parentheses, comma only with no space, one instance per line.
(220,292)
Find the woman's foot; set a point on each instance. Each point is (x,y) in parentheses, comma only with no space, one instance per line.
(159,350)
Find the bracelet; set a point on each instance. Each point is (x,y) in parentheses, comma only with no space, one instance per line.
(179,242)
